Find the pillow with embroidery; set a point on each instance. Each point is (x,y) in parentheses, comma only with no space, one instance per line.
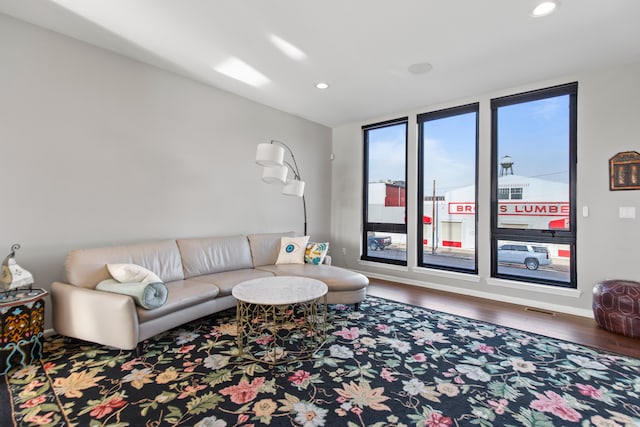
(292,250)
(316,252)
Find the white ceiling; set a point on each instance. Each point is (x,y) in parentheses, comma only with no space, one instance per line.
(362,48)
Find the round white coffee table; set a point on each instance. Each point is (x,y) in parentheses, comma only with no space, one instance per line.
(277,318)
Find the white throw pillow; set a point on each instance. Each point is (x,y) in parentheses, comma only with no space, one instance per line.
(128,273)
(292,250)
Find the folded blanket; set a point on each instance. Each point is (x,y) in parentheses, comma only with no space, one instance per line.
(146,295)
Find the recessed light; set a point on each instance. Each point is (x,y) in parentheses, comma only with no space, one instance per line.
(420,68)
(322,85)
(545,8)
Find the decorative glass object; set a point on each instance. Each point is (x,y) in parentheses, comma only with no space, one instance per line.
(13,276)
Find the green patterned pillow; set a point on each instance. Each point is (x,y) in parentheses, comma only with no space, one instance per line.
(315,253)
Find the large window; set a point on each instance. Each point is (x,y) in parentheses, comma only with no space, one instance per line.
(385,190)
(534,186)
(447,165)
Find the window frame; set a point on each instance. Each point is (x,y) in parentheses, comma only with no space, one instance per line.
(532,236)
(421,119)
(378,226)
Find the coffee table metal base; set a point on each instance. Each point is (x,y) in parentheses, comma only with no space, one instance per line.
(277,334)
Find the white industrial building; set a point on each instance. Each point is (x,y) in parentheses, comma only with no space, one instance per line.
(524,202)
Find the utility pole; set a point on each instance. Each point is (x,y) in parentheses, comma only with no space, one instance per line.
(433,220)
(433,198)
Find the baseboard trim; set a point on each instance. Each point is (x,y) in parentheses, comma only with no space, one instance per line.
(486,295)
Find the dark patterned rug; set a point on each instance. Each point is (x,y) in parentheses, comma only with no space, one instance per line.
(388,364)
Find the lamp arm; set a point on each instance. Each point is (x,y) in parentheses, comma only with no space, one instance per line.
(295,169)
(296,172)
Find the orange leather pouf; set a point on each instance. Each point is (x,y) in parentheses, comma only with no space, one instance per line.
(616,306)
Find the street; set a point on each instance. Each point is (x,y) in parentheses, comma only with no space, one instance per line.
(551,272)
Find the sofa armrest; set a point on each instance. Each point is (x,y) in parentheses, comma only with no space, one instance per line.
(91,315)
(327,260)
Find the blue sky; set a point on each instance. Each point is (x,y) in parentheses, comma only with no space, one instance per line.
(450,153)
(387,153)
(534,134)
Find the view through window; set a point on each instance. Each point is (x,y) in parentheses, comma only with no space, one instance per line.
(533,188)
(533,209)
(448,142)
(385,180)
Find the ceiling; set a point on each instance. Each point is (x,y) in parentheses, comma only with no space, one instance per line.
(361,48)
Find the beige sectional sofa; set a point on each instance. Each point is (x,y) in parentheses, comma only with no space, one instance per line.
(199,274)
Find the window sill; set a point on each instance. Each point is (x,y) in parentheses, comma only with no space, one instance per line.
(468,277)
(383,265)
(544,289)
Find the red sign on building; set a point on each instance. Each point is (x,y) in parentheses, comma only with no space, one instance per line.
(515,208)
(534,208)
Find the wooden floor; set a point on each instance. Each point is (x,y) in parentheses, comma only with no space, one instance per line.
(567,327)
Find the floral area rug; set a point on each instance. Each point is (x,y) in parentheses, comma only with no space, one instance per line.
(387,364)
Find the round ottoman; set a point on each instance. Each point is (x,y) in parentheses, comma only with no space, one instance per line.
(616,306)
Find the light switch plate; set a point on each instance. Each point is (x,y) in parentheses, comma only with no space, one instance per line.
(628,212)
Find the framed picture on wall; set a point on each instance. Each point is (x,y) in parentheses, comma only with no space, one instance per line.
(624,171)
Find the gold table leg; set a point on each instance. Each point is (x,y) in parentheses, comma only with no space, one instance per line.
(276,334)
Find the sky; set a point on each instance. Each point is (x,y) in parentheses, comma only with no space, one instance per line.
(387,151)
(449,153)
(534,134)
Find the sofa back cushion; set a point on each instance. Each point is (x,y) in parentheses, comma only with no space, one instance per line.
(210,255)
(87,267)
(266,246)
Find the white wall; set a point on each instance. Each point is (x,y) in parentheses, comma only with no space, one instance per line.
(97,149)
(607,246)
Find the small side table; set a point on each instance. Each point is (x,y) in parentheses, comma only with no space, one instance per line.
(21,327)
(278,316)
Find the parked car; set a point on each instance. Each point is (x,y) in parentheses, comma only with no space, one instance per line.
(378,242)
(531,256)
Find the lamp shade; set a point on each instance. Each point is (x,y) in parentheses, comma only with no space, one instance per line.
(293,187)
(274,174)
(269,155)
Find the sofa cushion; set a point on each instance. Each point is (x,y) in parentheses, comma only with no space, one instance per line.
(227,280)
(182,295)
(266,246)
(87,267)
(214,254)
(337,279)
